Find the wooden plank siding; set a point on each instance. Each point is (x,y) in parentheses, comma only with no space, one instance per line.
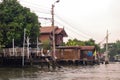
(18,51)
(46,34)
(68,53)
(84,52)
(44,38)
(74,52)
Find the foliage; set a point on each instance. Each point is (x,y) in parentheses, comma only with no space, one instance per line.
(90,42)
(13,19)
(76,42)
(46,45)
(114,48)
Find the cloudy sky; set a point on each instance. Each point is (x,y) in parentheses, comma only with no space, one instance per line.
(82,19)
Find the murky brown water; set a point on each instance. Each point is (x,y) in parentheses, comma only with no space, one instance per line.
(96,72)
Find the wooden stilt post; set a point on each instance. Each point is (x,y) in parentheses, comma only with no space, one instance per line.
(28,48)
(37,46)
(13,54)
(23,54)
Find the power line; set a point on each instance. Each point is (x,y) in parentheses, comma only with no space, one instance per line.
(104,38)
(71,31)
(44,18)
(36,7)
(34,4)
(39,10)
(49,19)
(102,41)
(72,28)
(68,24)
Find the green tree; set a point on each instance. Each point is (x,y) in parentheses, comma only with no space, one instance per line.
(114,49)
(13,19)
(90,42)
(46,45)
(76,42)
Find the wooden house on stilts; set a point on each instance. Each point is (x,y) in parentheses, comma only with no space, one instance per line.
(76,54)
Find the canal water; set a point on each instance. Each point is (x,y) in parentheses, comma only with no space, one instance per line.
(97,72)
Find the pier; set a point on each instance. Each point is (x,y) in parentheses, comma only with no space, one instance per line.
(65,56)
(7,59)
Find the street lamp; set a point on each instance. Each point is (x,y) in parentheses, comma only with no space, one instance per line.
(52,13)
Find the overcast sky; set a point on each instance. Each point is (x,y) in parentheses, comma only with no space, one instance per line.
(81,19)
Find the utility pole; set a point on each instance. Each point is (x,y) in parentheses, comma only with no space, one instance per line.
(106,52)
(53,43)
(107,41)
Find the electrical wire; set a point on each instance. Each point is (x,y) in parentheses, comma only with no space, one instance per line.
(72,29)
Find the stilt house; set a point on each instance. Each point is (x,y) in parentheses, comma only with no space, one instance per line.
(46,34)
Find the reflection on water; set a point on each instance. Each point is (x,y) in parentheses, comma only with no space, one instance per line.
(97,72)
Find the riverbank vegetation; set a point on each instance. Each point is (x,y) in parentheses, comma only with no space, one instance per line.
(14,18)
(113,48)
(76,42)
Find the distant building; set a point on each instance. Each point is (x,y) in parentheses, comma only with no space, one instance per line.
(46,34)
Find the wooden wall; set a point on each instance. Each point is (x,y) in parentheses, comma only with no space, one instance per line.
(68,54)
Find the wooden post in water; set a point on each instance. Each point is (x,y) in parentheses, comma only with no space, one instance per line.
(28,52)
(13,47)
(37,46)
(23,54)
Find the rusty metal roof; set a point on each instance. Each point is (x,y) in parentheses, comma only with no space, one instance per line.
(77,47)
(68,47)
(49,29)
(46,29)
(87,47)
